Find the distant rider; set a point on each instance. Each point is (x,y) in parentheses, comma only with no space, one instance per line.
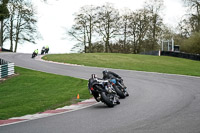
(35,53)
(43,50)
(111,75)
(46,49)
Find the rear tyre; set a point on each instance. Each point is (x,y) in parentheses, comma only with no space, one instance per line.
(106,99)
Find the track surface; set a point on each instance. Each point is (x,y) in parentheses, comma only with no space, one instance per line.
(158,103)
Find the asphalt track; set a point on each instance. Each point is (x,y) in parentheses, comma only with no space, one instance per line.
(158,103)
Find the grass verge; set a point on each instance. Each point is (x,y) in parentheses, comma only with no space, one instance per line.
(162,64)
(31,91)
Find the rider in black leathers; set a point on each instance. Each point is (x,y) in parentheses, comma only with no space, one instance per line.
(108,74)
(111,75)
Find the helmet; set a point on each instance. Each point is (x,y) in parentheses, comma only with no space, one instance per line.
(105,72)
(93,76)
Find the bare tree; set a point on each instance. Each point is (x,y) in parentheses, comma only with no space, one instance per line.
(84,27)
(154,7)
(192,22)
(22,23)
(138,29)
(190,28)
(78,32)
(125,21)
(108,24)
(128,32)
(185,28)
(4,13)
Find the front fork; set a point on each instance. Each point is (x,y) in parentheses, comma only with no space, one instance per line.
(122,86)
(112,95)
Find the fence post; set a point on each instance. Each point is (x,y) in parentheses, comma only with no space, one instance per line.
(159,52)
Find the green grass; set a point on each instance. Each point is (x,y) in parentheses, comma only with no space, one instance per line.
(162,64)
(31,91)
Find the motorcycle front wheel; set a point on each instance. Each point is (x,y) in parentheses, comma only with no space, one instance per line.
(107,100)
(119,92)
(33,56)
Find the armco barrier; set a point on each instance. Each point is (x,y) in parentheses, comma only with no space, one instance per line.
(6,68)
(151,53)
(181,55)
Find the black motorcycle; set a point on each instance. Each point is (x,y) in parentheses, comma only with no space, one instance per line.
(43,51)
(117,83)
(46,50)
(34,55)
(103,91)
(120,87)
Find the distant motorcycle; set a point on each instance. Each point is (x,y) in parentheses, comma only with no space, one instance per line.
(34,55)
(103,91)
(117,83)
(46,50)
(43,51)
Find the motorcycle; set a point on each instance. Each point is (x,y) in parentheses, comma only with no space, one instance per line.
(117,83)
(34,55)
(46,50)
(103,91)
(43,51)
(119,87)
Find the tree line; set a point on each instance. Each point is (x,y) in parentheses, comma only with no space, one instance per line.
(18,23)
(106,29)
(189,35)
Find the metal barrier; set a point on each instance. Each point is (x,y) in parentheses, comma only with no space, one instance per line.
(6,68)
(151,53)
(174,54)
(181,55)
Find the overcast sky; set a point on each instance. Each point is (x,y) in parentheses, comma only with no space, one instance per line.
(56,14)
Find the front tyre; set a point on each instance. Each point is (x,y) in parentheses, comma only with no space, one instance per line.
(119,92)
(33,56)
(127,94)
(107,100)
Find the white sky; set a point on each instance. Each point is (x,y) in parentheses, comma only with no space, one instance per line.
(56,14)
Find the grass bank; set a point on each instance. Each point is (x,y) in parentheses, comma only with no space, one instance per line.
(162,64)
(31,91)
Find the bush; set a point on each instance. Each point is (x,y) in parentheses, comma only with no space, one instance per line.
(192,44)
